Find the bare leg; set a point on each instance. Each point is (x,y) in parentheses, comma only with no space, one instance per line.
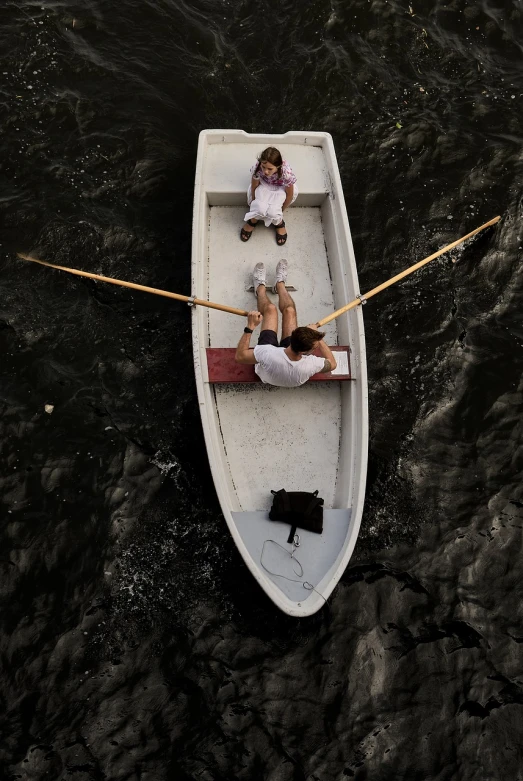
(267,309)
(275,212)
(249,228)
(287,309)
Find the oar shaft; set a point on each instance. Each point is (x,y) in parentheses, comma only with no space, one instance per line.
(401,275)
(143,288)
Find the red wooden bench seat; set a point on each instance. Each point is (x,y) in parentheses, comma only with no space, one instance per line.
(223,368)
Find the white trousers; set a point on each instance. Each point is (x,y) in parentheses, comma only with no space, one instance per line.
(267,205)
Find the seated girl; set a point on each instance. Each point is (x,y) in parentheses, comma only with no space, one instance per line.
(272,189)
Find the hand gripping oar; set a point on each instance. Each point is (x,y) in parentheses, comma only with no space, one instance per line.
(144,288)
(362,299)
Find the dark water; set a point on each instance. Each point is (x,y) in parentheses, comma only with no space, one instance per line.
(134,643)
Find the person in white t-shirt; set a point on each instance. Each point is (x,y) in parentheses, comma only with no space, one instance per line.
(288,363)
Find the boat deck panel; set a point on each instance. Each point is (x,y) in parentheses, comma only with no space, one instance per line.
(317,553)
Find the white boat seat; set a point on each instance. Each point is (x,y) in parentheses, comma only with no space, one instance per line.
(226,172)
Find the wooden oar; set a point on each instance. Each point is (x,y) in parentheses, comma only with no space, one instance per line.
(393,280)
(144,288)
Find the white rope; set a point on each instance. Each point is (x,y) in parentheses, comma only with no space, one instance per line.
(295,544)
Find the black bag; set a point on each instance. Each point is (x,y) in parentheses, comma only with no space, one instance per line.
(299,508)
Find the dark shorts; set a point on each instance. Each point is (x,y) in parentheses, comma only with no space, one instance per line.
(271,337)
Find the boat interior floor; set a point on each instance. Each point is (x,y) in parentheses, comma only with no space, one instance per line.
(259,421)
(230,269)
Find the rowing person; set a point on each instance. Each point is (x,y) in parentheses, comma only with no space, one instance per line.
(289,363)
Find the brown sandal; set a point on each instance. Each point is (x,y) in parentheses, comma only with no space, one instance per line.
(281,238)
(246,235)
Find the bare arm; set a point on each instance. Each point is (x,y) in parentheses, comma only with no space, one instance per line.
(244,353)
(289,192)
(254,185)
(328,356)
(326,353)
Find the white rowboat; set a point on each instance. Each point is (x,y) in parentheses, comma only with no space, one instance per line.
(260,437)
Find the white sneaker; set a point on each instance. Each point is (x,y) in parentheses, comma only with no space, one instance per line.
(281,273)
(258,276)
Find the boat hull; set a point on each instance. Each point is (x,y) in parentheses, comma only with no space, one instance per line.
(261,438)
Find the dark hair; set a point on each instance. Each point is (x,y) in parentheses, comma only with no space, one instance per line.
(303,339)
(270,155)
